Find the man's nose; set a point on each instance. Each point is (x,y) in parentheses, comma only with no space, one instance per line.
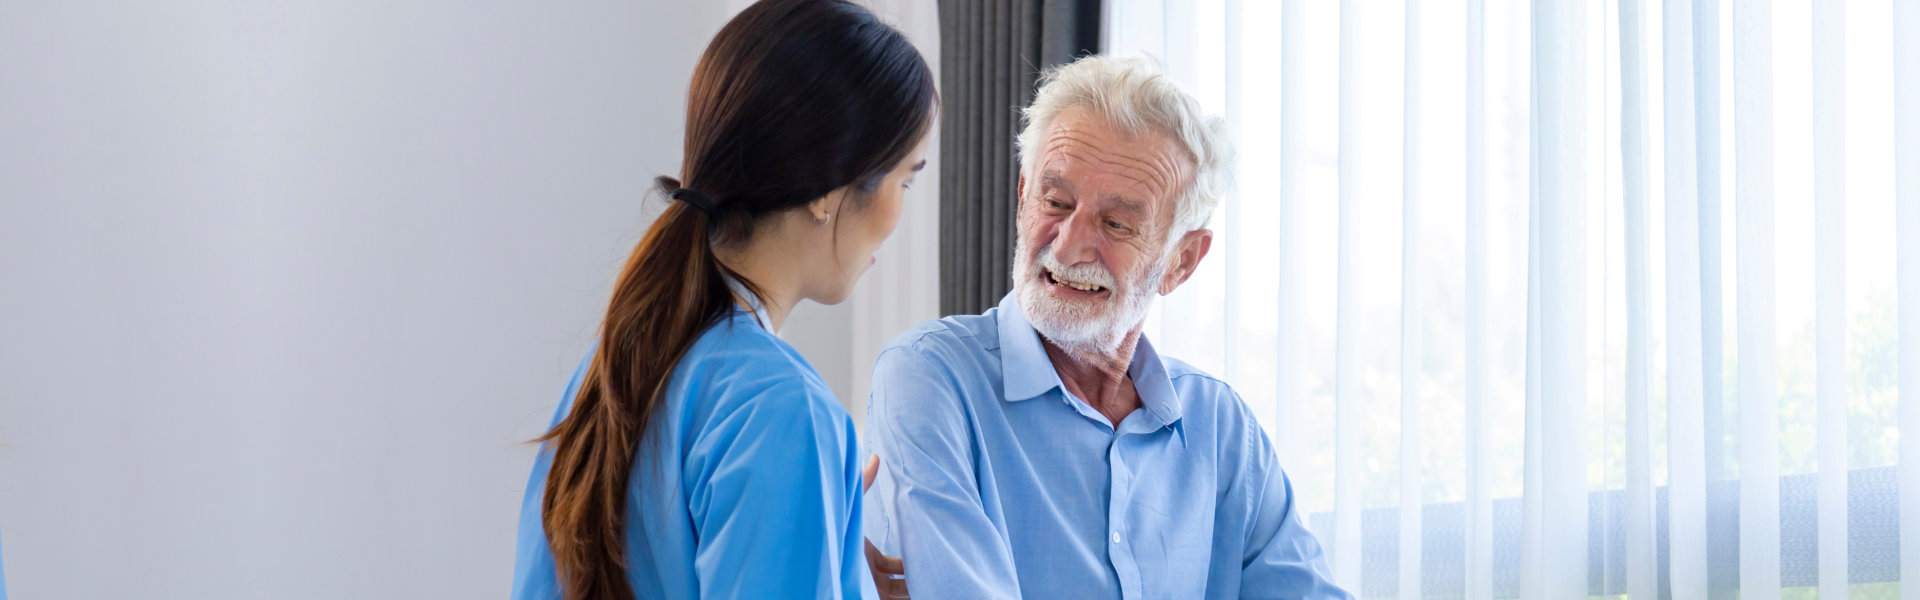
(1075,243)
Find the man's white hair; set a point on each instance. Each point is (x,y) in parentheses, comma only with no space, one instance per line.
(1135,96)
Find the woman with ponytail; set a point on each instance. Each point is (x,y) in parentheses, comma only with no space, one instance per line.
(695,454)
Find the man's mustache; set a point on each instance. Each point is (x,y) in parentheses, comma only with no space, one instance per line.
(1092,273)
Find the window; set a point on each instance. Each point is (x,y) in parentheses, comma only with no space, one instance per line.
(1369,288)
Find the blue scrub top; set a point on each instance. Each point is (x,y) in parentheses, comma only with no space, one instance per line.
(747,484)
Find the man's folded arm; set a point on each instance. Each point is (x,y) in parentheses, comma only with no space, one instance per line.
(1282,560)
(921,428)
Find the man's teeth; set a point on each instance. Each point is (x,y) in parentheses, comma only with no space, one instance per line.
(1084,287)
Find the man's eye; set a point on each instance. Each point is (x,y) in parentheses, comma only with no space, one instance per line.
(1051,203)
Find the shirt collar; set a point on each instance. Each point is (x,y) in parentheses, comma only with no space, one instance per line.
(1026,371)
(1150,380)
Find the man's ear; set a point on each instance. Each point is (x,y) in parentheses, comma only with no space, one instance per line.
(1186,257)
(1019,193)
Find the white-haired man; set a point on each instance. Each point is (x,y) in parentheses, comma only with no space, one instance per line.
(1043,449)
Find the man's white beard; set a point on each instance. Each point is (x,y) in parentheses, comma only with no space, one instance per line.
(1089,327)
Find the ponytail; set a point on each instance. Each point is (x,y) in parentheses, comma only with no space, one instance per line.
(670,291)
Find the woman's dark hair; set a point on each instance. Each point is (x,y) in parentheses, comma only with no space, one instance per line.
(792,100)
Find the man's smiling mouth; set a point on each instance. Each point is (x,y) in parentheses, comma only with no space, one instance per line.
(1072,285)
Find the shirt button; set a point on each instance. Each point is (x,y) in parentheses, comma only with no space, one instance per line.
(1116,537)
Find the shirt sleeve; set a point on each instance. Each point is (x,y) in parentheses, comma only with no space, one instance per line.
(1282,559)
(534,577)
(773,492)
(920,429)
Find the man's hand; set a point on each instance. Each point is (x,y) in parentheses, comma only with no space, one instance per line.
(889,575)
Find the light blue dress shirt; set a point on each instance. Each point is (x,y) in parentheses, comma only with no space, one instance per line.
(3,577)
(747,484)
(998,483)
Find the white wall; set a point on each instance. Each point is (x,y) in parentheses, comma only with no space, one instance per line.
(282,287)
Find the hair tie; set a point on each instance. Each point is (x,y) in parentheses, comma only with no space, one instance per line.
(695,199)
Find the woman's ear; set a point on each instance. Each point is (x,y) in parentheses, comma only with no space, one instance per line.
(823,209)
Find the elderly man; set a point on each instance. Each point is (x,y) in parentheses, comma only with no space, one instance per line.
(1043,449)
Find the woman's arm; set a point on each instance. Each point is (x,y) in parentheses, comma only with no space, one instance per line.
(773,492)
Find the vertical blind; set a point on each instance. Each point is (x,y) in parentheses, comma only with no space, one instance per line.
(1567,299)
(991,55)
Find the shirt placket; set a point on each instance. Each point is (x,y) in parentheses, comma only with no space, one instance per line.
(1119,530)
(1120,477)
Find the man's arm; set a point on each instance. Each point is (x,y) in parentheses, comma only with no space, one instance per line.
(936,520)
(889,576)
(1282,559)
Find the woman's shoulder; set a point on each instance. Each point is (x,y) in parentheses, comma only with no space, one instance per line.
(738,359)
(741,382)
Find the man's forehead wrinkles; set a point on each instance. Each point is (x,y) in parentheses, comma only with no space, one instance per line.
(1137,177)
(1153,172)
(1163,165)
(1065,135)
(1069,142)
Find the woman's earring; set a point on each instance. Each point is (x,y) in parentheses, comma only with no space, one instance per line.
(822,219)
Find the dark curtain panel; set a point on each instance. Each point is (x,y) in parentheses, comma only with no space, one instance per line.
(991,54)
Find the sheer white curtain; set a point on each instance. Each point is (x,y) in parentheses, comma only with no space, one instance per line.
(903,288)
(1562,299)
